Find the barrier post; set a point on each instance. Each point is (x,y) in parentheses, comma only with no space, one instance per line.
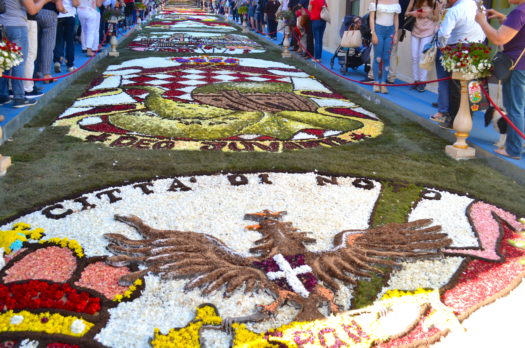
(462,123)
(113,21)
(286,43)
(5,161)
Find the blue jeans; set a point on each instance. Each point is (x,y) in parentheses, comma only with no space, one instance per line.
(17,35)
(65,37)
(514,102)
(443,86)
(382,51)
(318,27)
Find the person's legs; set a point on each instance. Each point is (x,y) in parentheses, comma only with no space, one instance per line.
(415,45)
(83,19)
(58,52)
(47,22)
(17,35)
(422,72)
(443,90)
(29,64)
(318,27)
(69,38)
(514,102)
(392,70)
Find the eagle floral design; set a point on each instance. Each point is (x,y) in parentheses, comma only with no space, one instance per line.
(281,262)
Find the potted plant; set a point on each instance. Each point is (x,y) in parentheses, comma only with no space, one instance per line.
(111,15)
(10,55)
(467,60)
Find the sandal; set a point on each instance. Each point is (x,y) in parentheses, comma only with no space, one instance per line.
(438,117)
(503,152)
(51,80)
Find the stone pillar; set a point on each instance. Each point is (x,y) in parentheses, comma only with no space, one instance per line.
(462,123)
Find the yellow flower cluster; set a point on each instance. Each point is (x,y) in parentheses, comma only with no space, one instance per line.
(187,337)
(245,338)
(392,294)
(129,292)
(20,233)
(44,322)
(66,243)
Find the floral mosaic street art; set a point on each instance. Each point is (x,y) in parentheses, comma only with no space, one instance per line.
(195,42)
(215,103)
(250,259)
(191,25)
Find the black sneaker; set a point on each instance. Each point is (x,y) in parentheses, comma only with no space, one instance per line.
(35,93)
(448,124)
(22,103)
(4,100)
(421,87)
(434,105)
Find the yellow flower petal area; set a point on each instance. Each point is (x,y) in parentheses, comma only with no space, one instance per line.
(44,322)
(372,128)
(20,233)
(187,337)
(103,94)
(66,243)
(129,292)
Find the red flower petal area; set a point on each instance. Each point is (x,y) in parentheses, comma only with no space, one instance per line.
(52,263)
(37,294)
(103,278)
(480,283)
(350,112)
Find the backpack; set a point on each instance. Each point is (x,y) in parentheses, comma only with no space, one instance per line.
(366,31)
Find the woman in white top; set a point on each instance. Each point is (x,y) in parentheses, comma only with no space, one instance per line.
(384,24)
(89,18)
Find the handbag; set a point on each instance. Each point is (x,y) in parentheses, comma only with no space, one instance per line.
(351,38)
(325,14)
(503,65)
(428,58)
(409,23)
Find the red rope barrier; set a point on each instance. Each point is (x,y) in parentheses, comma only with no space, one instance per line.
(502,113)
(74,71)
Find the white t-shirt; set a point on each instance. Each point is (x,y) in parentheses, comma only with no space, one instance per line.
(459,24)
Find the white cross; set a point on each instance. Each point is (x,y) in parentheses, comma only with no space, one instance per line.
(290,274)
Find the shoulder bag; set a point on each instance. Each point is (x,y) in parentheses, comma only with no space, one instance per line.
(428,58)
(503,65)
(352,38)
(325,14)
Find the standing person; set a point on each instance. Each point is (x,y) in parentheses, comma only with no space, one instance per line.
(14,19)
(47,34)
(303,18)
(129,9)
(66,36)
(318,27)
(424,29)
(90,22)
(252,5)
(384,25)
(457,25)
(270,11)
(511,34)
(30,88)
(259,15)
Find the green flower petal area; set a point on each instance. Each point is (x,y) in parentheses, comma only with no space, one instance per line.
(205,122)
(215,103)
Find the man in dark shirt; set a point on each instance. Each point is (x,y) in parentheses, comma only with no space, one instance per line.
(270,10)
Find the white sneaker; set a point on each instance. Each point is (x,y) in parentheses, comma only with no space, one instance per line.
(71,68)
(58,68)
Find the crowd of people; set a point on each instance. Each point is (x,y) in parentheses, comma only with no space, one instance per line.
(440,22)
(47,32)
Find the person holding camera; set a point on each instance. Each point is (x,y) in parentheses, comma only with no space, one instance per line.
(511,34)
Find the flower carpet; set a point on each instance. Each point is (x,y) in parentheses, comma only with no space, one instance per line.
(254,258)
(103,268)
(196,42)
(215,103)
